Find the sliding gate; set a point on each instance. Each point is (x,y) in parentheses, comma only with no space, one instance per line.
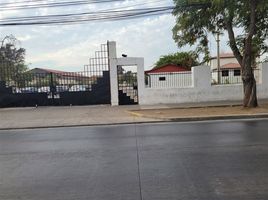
(43,87)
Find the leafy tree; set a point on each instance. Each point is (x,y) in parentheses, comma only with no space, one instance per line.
(185,59)
(195,19)
(12,59)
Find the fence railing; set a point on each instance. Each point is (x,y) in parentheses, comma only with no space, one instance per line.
(34,81)
(29,82)
(231,76)
(169,80)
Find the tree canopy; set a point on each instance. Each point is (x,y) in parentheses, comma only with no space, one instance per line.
(12,59)
(245,21)
(185,59)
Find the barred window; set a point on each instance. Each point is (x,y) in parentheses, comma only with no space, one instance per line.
(237,72)
(162,78)
(225,73)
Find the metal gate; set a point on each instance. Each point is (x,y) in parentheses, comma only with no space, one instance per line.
(42,87)
(127,87)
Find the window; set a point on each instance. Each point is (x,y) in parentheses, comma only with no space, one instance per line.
(225,73)
(162,78)
(237,72)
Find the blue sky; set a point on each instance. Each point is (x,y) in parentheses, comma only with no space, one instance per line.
(68,47)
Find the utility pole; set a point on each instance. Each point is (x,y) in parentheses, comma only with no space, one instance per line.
(218,56)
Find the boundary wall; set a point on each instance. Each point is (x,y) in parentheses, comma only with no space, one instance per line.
(201,90)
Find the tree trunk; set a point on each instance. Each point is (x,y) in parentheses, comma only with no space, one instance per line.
(249,83)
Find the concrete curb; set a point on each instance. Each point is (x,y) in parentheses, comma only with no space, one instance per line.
(163,120)
(225,117)
(81,125)
(191,106)
(202,118)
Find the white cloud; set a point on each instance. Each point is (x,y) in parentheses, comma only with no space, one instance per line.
(149,38)
(24,38)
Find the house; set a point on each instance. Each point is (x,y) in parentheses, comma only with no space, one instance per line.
(169,75)
(225,58)
(230,69)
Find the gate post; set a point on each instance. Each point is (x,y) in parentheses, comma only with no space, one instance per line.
(113,73)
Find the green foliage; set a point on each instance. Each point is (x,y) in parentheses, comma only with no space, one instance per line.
(195,19)
(12,59)
(128,77)
(185,59)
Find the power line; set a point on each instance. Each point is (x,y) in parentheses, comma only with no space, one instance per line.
(97,13)
(54,4)
(111,14)
(27,1)
(86,17)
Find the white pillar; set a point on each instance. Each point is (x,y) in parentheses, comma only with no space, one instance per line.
(140,77)
(264,74)
(112,49)
(113,73)
(201,77)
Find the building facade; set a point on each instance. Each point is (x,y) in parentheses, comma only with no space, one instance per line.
(168,76)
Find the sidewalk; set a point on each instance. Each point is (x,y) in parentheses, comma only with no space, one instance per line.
(17,118)
(203,113)
(40,117)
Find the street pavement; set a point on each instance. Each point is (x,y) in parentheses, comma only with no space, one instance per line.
(220,160)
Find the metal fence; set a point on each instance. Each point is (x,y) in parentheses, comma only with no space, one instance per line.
(29,82)
(169,80)
(231,76)
(99,63)
(34,81)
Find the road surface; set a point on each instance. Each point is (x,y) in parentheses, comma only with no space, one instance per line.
(173,161)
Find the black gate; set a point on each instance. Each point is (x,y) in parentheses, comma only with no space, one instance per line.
(127,87)
(43,87)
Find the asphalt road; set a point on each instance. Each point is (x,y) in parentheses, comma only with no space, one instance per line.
(175,161)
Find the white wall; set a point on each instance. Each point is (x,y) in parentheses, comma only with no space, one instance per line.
(202,90)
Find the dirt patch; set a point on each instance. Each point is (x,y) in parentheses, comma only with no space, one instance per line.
(201,112)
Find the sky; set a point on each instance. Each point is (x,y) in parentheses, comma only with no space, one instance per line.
(68,47)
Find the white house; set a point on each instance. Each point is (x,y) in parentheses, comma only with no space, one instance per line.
(230,70)
(225,58)
(170,76)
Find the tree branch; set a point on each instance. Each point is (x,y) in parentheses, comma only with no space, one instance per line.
(252,27)
(229,27)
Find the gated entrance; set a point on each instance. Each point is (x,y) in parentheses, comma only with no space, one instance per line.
(43,87)
(127,86)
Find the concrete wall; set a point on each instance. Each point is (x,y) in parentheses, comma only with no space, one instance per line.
(202,90)
(199,90)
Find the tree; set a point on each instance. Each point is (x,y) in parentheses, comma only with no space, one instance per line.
(185,59)
(195,19)
(12,59)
